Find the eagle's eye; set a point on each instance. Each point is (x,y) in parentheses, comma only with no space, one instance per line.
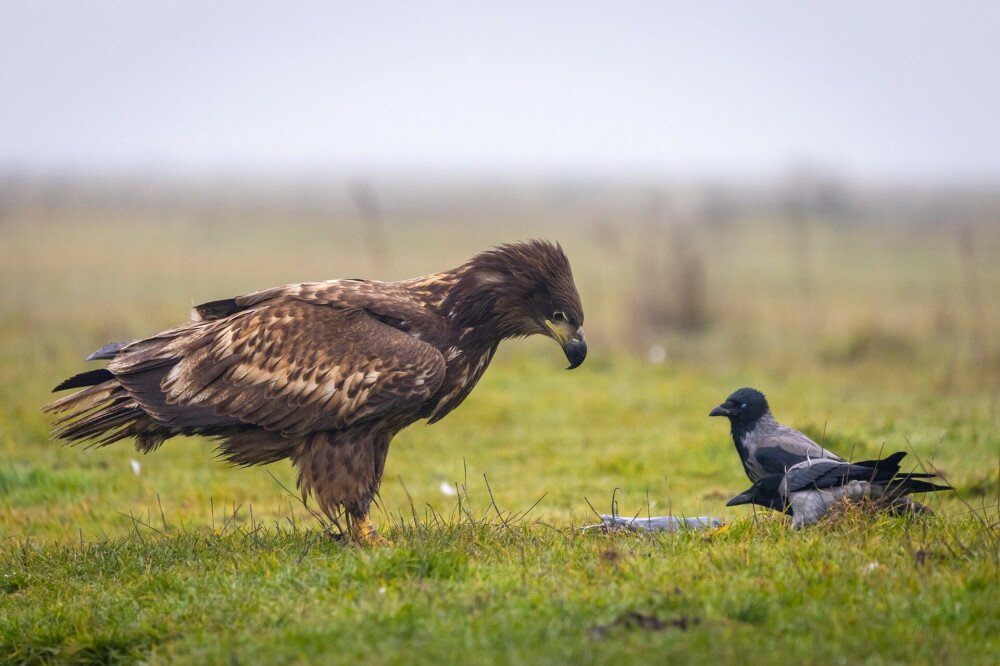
(559,315)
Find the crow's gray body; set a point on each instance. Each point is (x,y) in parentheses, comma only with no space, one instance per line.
(769,447)
(808,506)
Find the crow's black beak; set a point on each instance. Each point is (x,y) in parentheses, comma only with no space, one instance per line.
(746,497)
(722,410)
(575,349)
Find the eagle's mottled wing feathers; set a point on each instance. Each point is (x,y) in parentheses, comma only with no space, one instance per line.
(403,305)
(288,366)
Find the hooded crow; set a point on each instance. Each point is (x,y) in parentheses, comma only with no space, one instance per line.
(765,446)
(808,490)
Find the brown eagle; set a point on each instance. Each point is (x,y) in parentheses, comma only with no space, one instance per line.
(326,373)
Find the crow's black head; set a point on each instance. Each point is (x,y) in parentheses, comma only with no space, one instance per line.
(744,406)
(765,492)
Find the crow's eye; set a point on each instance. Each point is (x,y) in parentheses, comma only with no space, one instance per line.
(559,315)
(743,406)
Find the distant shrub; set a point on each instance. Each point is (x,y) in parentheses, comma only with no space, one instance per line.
(868,342)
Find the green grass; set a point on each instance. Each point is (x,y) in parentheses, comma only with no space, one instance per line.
(885,590)
(192,561)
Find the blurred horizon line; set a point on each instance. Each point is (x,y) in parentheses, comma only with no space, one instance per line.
(794,171)
(803,192)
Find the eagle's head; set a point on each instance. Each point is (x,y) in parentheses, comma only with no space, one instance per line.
(527,288)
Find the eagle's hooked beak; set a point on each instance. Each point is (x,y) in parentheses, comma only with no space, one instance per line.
(573,342)
(575,350)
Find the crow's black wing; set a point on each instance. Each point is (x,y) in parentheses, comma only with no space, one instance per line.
(777,460)
(819,474)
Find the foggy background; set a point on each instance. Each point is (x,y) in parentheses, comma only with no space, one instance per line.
(838,161)
(880,92)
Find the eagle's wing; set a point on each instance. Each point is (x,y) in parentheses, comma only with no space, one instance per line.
(402,307)
(286,365)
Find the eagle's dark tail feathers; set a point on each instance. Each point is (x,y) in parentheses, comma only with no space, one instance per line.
(89,378)
(103,413)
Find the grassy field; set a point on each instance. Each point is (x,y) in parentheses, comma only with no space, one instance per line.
(870,338)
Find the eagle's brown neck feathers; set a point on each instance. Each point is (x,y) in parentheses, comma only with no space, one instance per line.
(493,288)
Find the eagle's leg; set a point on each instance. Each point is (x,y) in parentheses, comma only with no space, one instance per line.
(342,471)
(363,532)
(360,526)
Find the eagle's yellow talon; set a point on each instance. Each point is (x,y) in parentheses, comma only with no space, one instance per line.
(363,533)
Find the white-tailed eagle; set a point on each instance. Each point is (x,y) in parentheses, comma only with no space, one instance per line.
(326,373)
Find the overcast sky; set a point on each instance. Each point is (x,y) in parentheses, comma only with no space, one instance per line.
(880,90)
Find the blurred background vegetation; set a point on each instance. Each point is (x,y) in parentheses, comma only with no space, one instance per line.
(811,270)
(868,316)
